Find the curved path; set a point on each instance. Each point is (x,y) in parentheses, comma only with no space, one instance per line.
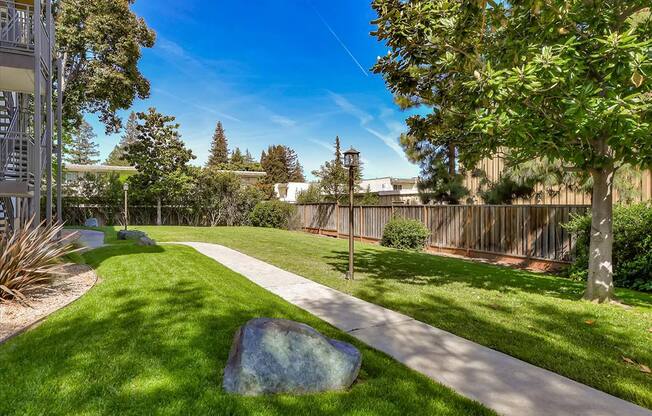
(509,386)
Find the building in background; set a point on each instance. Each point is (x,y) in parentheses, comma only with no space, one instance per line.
(288,192)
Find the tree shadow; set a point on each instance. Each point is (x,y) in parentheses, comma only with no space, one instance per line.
(158,343)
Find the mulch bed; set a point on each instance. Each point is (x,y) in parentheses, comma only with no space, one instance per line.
(16,317)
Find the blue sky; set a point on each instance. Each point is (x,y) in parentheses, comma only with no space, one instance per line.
(293,72)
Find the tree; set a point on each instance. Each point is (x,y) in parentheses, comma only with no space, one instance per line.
(334,177)
(219,153)
(83,150)
(117,155)
(100,43)
(159,155)
(312,195)
(237,158)
(566,80)
(281,164)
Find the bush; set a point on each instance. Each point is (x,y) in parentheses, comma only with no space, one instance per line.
(273,214)
(632,252)
(29,257)
(405,234)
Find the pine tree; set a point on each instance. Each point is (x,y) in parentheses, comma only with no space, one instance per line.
(281,164)
(237,158)
(117,155)
(334,177)
(219,153)
(83,150)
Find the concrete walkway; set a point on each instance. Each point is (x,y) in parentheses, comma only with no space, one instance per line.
(88,238)
(509,386)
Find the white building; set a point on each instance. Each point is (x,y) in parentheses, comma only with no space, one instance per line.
(390,190)
(288,192)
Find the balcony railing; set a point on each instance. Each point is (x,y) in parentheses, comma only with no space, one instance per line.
(17,28)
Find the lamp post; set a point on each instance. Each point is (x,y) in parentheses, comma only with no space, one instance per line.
(125,187)
(351,161)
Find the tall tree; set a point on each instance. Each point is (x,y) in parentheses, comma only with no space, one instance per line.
(334,177)
(566,80)
(281,164)
(82,149)
(237,158)
(100,42)
(219,153)
(159,155)
(117,155)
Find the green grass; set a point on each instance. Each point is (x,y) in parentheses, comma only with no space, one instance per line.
(534,317)
(153,337)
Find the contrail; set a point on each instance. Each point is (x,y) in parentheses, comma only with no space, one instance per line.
(330,29)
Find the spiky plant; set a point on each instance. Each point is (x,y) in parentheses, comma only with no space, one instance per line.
(30,257)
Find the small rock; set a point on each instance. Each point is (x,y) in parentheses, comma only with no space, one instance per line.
(92,222)
(145,241)
(281,356)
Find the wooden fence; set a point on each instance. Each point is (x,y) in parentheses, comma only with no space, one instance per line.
(521,233)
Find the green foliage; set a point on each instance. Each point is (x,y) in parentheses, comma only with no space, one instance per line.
(219,152)
(334,177)
(117,155)
(506,190)
(438,184)
(405,234)
(222,199)
(367,198)
(159,155)
(281,164)
(312,195)
(273,214)
(632,258)
(82,149)
(100,42)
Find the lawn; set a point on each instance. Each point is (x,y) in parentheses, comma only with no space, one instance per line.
(534,317)
(153,337)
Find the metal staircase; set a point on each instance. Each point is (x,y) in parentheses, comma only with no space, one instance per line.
(26,110)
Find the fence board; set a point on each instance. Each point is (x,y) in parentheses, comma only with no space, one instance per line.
(527,231)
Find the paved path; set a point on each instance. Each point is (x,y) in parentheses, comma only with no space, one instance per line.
(509,386)
(88,238)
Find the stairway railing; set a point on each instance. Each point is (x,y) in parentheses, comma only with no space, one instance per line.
(16,25)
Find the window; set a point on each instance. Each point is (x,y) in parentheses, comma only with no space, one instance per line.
(398,187)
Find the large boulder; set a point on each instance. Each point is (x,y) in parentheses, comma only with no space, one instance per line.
(281,356)
(91,222)
(130,235)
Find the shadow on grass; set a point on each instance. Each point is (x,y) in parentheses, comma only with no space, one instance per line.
(422,269)
(154,335)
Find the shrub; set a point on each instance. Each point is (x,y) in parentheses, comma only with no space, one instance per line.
(29,258)
(273,214)
(405,234)
(632,252)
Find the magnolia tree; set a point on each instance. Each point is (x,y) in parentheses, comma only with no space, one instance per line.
(568,80)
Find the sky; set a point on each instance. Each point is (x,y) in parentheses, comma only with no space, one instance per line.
(291,72)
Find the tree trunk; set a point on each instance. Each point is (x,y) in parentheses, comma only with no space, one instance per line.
(599,286)
(451,159)
(159,221)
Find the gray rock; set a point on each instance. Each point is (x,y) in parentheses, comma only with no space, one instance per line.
(130,234)
(92,222)
(145,241)
(281,356)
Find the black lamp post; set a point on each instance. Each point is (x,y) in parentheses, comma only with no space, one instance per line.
(351,161)
(125,187)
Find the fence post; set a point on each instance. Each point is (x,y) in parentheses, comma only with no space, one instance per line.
(362,227)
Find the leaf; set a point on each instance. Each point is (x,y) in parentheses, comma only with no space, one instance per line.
(645,369)
(637,79)
(629,361)
(589,321)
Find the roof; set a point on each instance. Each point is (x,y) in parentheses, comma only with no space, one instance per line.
(245,173)
(71,167)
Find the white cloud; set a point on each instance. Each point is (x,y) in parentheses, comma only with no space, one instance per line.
(282,121)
